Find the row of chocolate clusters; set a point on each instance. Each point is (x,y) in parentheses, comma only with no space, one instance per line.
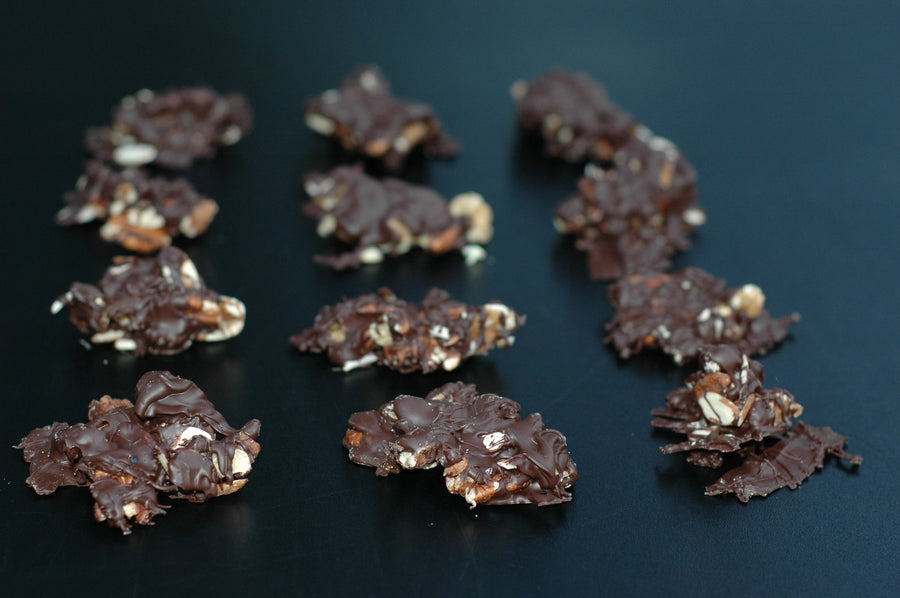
(170,440)
(488,453)
(141,210)
(157,304)
(635,207)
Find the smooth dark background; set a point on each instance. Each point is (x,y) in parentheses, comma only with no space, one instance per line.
(789,113)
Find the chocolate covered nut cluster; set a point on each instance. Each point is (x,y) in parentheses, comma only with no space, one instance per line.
(171,129)
(391,217)
(154,304)
(685,312)
(573,114)
(489,455)
(724,411)
(171,440)
(367,119)
(634,213)
(382,329)
(141,212)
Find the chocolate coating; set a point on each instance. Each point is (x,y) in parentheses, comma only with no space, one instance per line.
(391,217)
(633,215)
(141,212)
(684,313)
(573,114)
(788,463)
(367,119)
(380,328)
(152,305)
(171,440)
(489,454)
(171,129)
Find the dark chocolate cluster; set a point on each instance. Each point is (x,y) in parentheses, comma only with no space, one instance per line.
(685,312)
(633,214)
(171,440)
(141,212)
(727,415)
(153,304)
(489,454)
(171,129)
(573,114)
(379,328)
(367,119)
(391,217)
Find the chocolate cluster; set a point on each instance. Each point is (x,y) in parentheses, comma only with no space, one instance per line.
(367,119)
(171,129)
(727,415)
(389,217)
(634,213)
(685,312)
(380,328)
(155,304)
(170,441)
(489,454)
(140,212)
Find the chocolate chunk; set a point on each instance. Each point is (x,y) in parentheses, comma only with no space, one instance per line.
(788,463)
(152,305)
(170,440)
(489,454)
(724,406)
(685,312)
(366,119)
(390,217)
(171,129)
(633,215)
(141,212)
(574,115)
(381,329)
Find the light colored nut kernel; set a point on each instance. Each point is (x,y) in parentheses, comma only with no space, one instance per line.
(472,205)
(518,90)
(749,299)
(327,225)
(694,217)
(319,123)
(380,333)
(107,336)
(371,255)
(134,154)
(125,344)
(187,434)
(717,409)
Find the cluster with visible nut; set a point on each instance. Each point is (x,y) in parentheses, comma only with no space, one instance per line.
(140,212)
(153,304)
(573,114)
(170,440)
(724,410)
(382,329)
(634,214)
(171,129)
(367,119)
(390,217)
(489,454)
(685,312)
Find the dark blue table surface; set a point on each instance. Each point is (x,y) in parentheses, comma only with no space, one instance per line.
(789,114)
